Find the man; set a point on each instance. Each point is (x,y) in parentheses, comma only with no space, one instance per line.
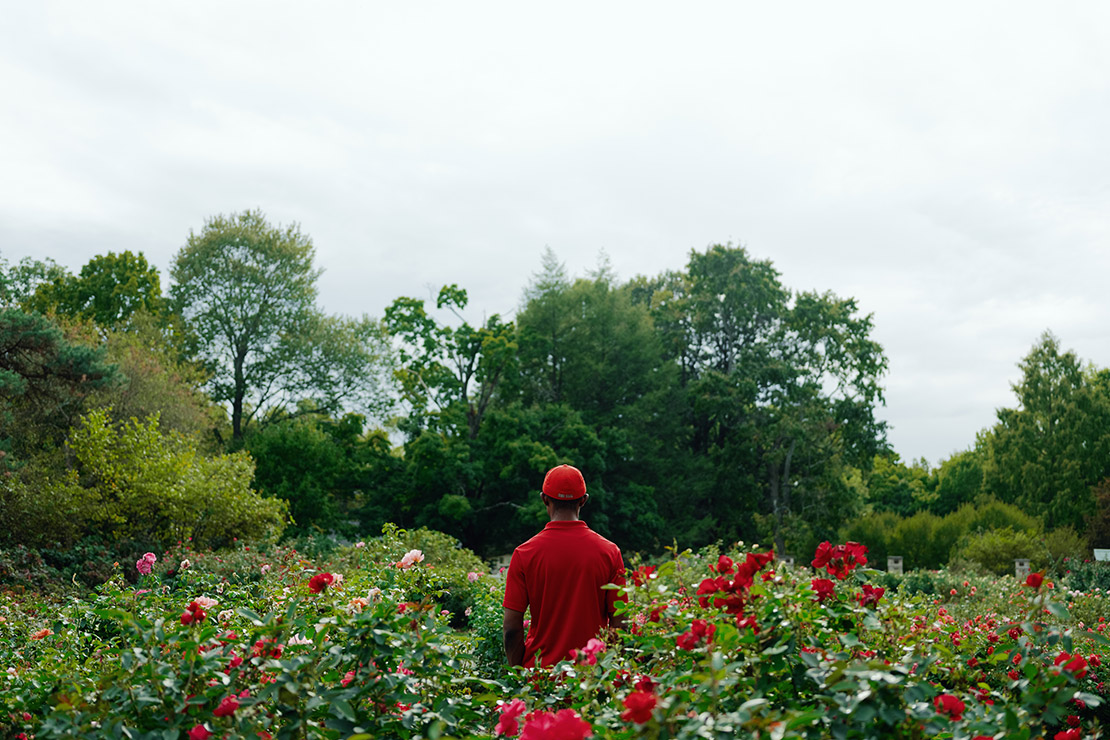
(559,575)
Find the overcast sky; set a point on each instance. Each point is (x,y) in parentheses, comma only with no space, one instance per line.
(946,165)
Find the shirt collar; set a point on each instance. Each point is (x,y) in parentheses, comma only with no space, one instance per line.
(566,525)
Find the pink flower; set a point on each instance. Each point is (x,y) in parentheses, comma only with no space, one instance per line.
(472,576)
(199,732)
(507,723)
(593,647)
(347,678)
(562,725)
(145,564)
(227,707)
(410,558)
(45,632)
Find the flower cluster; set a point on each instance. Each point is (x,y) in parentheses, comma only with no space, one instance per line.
(194,612)
(840,560)
(731,593)
(699,630)
(540,725)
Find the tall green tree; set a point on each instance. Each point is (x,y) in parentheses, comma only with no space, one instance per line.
(247,292)
(1049,452)
(781,387)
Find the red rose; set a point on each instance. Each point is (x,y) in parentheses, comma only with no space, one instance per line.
(870,595)
(320,581)
(950,705)
(638,707)
(823,588)
(199,732)
(227,707)
(1034,580)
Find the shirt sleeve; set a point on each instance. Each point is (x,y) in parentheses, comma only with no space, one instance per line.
(516,591)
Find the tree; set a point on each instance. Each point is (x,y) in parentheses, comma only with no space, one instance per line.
(45,379)
(781,391)
(18,282)
(1048,453)
(107,291)
(448,376)
(247,291)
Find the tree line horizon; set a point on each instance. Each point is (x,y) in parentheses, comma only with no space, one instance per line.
(711,403)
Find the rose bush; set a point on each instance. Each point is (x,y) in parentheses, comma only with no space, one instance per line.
(717,644)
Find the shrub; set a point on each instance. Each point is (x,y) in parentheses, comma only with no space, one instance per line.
(142,484)
(995,550)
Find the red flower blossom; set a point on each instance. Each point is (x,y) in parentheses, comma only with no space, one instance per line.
(1075,664)
(320,581)
(227,707)
(724,564)
(823,588)
(870,595)
(507,723)
(1094,660)
(840,560)
(199,732)
(644,683)
(193,613)
(950,705)
(638,707)
(642,575)
(562,725)
(698,629)
(1034,580)
(1072,734)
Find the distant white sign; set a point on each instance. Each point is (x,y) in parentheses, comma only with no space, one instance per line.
(1102,554)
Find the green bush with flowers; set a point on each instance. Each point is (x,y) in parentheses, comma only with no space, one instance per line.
(716,644)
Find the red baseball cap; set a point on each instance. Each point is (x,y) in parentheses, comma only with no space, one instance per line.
(564,482)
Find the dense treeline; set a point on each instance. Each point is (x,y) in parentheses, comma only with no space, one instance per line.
(709,403)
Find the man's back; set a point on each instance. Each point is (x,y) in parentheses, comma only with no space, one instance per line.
(559,574)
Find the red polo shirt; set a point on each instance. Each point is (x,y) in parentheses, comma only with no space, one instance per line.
(559,574)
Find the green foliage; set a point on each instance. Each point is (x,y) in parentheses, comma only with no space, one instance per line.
(130,481)
(20,281)
(895,487)
(996,549)
(45,379)
(1048,453)
(107,291)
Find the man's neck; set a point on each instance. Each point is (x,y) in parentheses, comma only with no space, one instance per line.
(565,516)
